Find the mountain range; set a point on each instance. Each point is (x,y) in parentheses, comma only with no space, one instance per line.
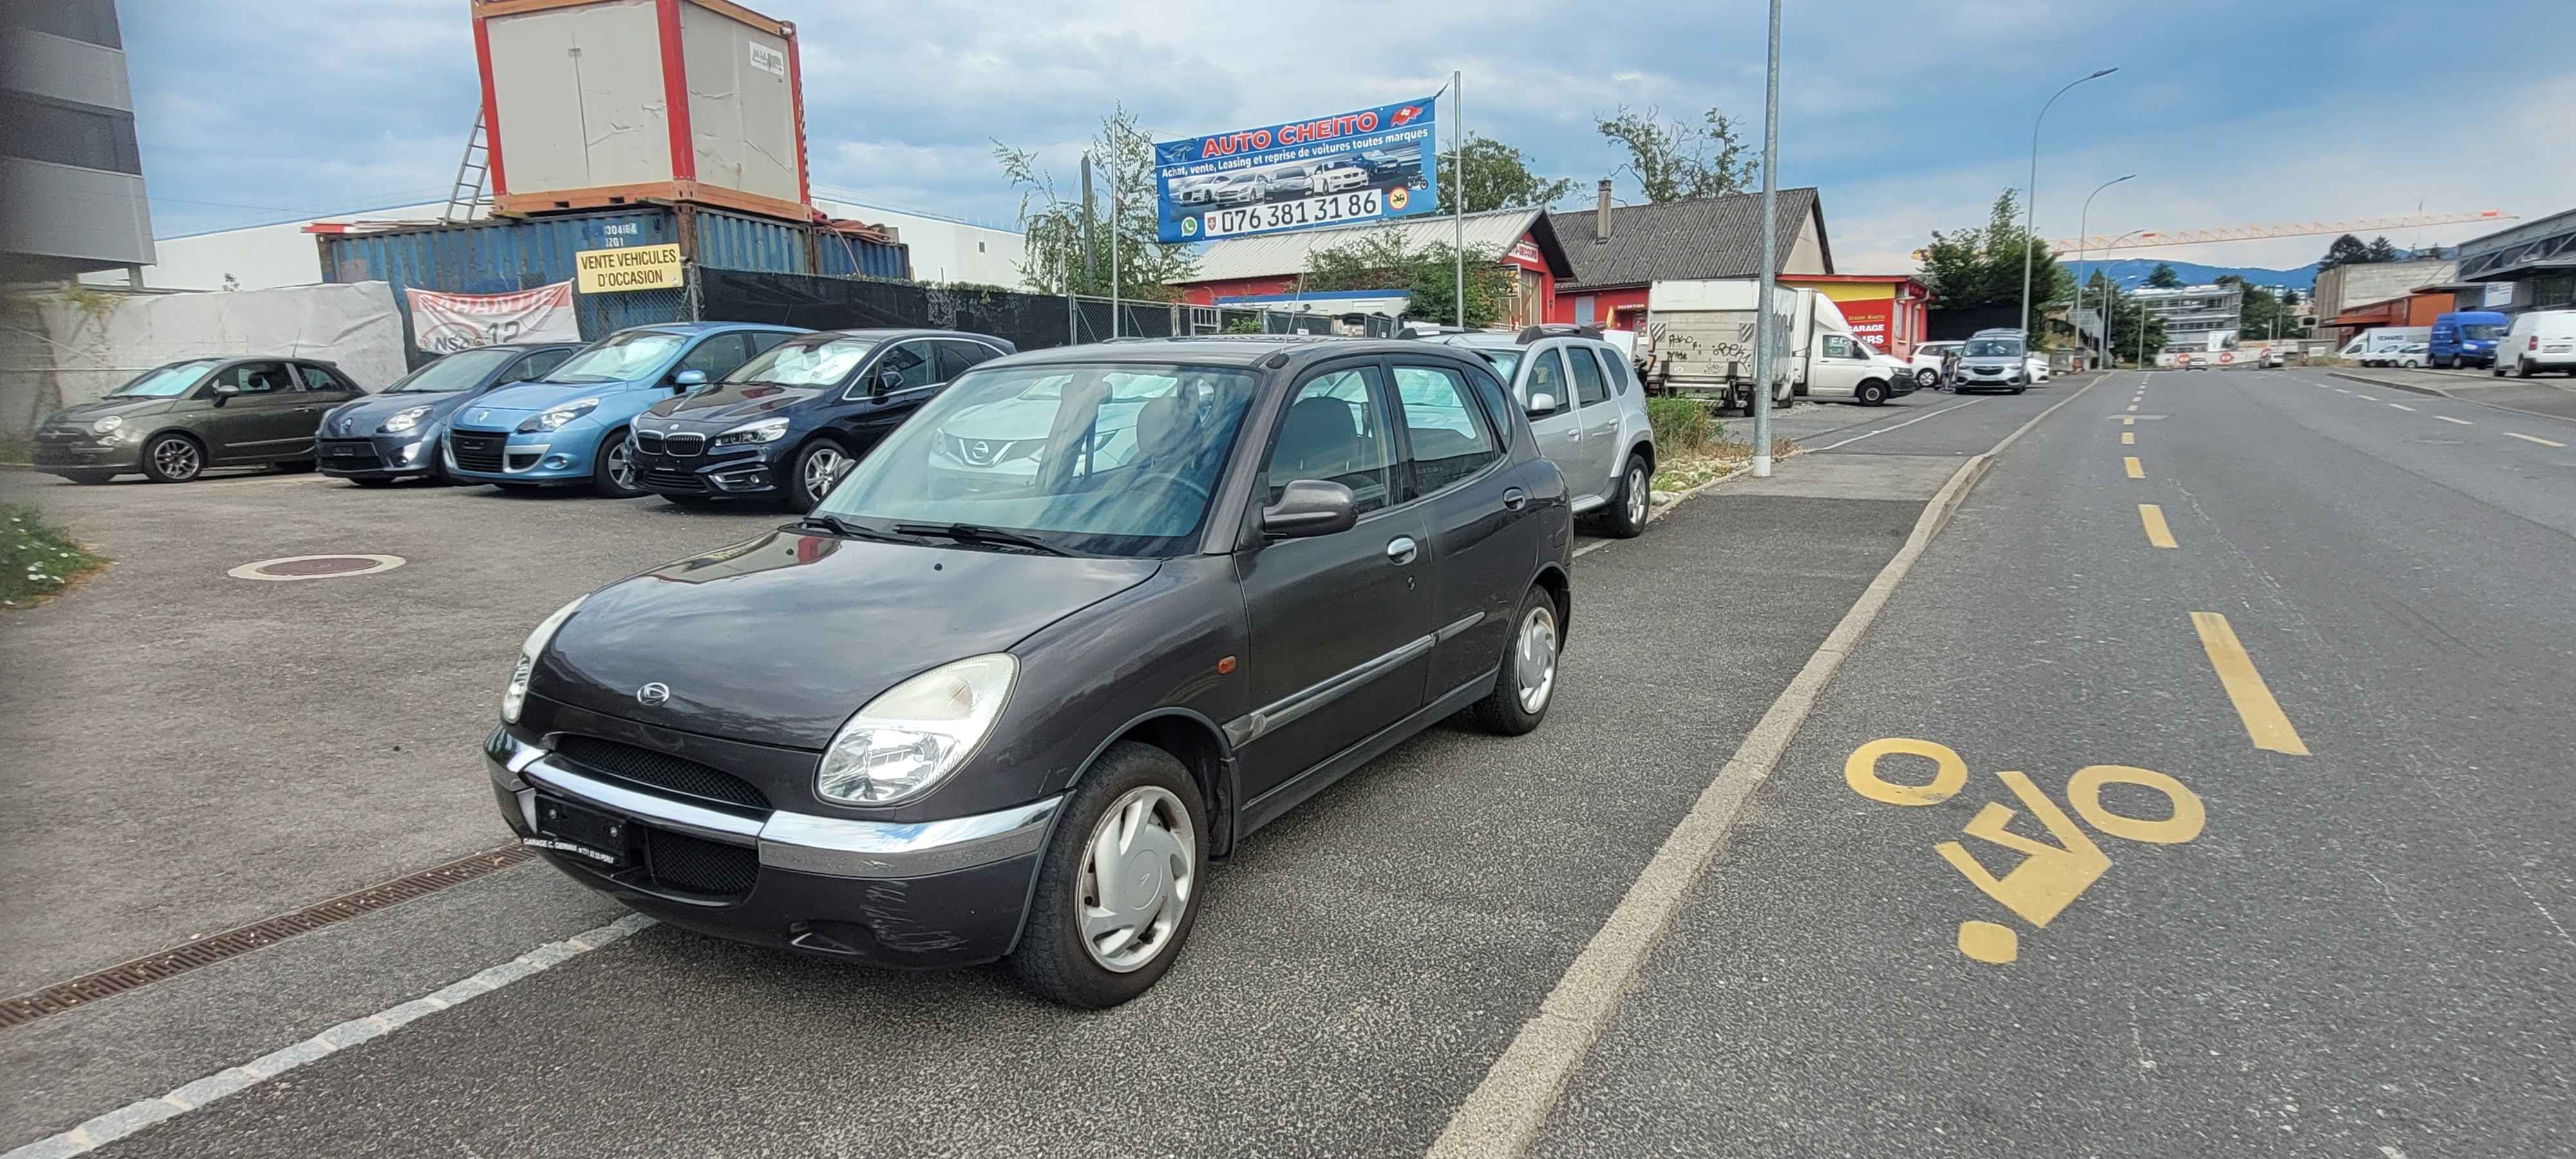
(2132,273)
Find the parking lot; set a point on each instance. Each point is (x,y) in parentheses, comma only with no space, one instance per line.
(327,733)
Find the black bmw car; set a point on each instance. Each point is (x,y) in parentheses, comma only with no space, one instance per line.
(395,432)
(931,725)
(788,423)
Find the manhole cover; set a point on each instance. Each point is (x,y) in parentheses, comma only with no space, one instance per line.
(305,567)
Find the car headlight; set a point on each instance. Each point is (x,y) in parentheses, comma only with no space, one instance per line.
(515,696)
(764,431)
(557,417)
(107,425)
(916,732)
(406,420)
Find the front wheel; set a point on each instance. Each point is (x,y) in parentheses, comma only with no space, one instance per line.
(1527,683)
(1626,515)
(1118,886)
(612,473)
(173,459)
(1871,393)
(816,468)
(1927,379)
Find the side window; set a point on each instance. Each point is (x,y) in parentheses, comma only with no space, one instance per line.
(762,340)
(1615,365)
(321,378)
(536,366)
(912,360)
(717,356)
(1498,404)
(1335,430)
(1547,376)
(258,378)
(1837,346)
(1450,440)
(955,357)
(1587,376)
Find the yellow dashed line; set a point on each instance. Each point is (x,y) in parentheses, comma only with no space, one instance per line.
(2157,533)
(2128,437)
(2264,721)
(2136,469)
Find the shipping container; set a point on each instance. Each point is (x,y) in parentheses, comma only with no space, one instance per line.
(596,103)
(507,254)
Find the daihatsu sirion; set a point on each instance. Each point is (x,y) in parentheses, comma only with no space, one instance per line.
(570,428)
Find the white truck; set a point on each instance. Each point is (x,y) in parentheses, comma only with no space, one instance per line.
(1699,344)
(2382,345)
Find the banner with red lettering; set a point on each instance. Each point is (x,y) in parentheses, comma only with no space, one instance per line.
(1340,170)
(447,323)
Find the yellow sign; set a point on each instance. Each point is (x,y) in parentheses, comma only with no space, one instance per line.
(642,267)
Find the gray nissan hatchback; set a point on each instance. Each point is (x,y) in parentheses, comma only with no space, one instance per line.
(1088,619)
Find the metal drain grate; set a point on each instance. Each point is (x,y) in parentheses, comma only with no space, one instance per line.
(239,940)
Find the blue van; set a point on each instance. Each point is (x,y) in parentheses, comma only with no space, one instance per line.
(569,429)
(2467,338)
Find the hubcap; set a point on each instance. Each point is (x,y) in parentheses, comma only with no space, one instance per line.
(1138,871)
(1638,496)
(621,465)
(177,458)
(1534,670)
(821,465)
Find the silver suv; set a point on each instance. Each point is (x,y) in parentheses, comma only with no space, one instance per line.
(1588,412)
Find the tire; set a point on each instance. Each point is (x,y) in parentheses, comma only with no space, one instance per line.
(1521,697)
(612,470)
(89,478)
(1927,379)
(2522,368)
(173,458)
(1146,791)
(1871,393)
(812,472)
(1626,512)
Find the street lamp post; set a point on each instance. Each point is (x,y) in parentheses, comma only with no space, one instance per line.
(2084,222)
(2030,201)
(1764,357)
(2111,305)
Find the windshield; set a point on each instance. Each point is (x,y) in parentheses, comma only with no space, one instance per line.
(619,357)
(1505,361)
(458,371)
(1096,460)
(166,382)
(1992,348)
(806,363)
(2478,332)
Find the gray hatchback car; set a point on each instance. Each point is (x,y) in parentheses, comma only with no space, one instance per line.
(958,713)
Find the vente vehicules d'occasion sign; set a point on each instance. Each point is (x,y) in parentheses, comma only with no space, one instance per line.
(1342,170)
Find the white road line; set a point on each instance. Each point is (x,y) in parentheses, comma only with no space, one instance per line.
(2367,397)
(2449,419)
(2402,406)
(135,1116)
(2532,439)
(1906,423)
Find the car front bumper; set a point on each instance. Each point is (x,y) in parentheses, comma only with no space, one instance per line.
(925,895)
(731,471)
(54,449)
(377,456)
(502,457)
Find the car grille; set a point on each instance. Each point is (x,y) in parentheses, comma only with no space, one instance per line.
(477,450)
(673,776)
(688,864)
(648,442)
(359,454)
(662,478)
(682,446)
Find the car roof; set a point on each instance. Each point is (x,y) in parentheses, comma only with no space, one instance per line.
(1227,350)
(703,327)
(893,333)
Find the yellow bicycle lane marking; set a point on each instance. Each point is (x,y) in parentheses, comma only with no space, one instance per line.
(2264,721)
(2048,878)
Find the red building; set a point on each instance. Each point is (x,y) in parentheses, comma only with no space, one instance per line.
(1619,250)
(1892,311)
(1275,263)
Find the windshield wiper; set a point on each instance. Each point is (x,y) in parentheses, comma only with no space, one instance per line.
(835,525)
(978,533)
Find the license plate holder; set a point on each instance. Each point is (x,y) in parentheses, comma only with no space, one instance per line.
(604,840)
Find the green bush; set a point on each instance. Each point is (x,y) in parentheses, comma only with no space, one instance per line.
(1682,425)
(36,557)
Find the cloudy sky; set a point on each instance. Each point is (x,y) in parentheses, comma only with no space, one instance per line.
(1910,116)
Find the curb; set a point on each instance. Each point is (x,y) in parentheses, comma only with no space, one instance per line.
(2382,382)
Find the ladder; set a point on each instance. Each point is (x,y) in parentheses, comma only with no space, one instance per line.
(467,198)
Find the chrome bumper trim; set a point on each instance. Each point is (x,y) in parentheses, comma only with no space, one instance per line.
(797,842)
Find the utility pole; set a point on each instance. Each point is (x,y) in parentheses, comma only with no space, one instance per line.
(1764,357)
(1458,170)
(1113,256)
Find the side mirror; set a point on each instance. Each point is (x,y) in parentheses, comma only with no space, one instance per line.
(889,381)
(1542,404)
(224,391)
(1310,507)
(688,380)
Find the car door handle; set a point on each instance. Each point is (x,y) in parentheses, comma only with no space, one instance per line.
(1400,550)
(1514,499)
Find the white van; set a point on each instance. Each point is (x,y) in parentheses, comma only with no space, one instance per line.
(2540,340)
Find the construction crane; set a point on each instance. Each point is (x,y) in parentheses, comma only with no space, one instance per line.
(2358,225)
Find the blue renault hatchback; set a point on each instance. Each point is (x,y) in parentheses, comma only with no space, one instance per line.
(381,437)
(789,422)
(569,429)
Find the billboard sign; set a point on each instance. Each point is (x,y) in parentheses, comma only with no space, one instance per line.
(447,323)
(1363,166)
(622,268)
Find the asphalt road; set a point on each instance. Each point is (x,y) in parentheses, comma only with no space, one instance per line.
(2363,950)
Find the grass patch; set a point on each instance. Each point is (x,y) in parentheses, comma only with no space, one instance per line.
(1678,472)
(37,558)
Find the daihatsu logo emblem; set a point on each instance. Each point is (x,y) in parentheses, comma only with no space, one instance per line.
(653,694)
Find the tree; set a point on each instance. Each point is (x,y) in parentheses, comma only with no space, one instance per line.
(1498,177)
(1679,161)
(2128,319)
(1380,260)
(2164,278)
(2345,251)
(1974,268)
(2381,251)
(1146,268)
